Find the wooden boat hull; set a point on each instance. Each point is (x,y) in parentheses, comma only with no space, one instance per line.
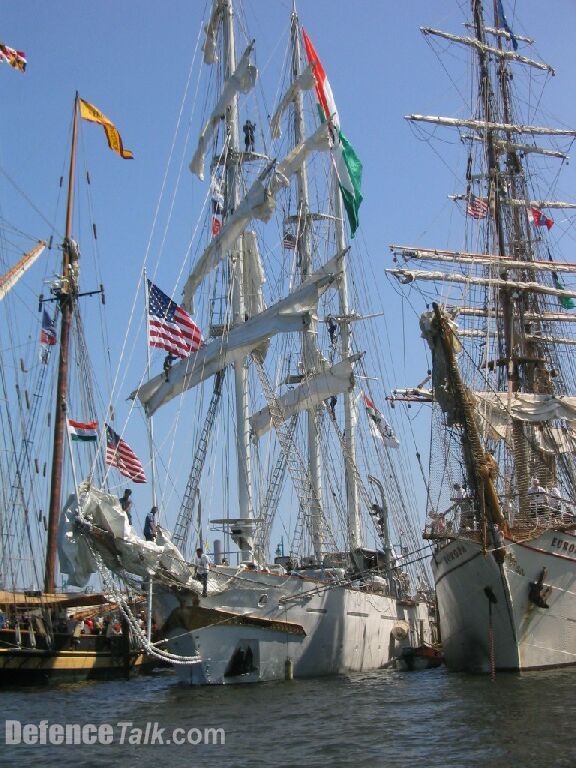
(488,620)
(72,659)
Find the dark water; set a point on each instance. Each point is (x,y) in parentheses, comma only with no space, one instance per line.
(384,718)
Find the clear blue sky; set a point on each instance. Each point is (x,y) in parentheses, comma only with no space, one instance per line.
(131,59)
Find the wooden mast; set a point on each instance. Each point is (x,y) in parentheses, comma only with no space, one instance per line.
(66,294)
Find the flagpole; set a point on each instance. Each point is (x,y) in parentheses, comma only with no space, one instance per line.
(151,450)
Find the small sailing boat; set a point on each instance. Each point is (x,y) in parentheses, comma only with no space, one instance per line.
(500,326)
(48,634)
(276,384)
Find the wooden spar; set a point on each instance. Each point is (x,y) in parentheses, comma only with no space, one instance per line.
(463,257)
(474,43)
(66,298)
(544,317)
(525,203)
(408,276)
(14,274)
(498,32)
(487,125)
(524,148)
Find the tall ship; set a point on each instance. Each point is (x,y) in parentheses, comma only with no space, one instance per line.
(49,633)
(499,322)
(317,567)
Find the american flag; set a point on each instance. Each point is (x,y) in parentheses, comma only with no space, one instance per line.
(120,455)
(289,241)
(477,207)
(171,328)
(48,332)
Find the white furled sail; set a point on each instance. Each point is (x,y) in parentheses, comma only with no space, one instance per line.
(305,82)
(294,313)
(242,81)
(312,392)
(211,30)
(253,275)
(525,406)
(259,203)
(319,141)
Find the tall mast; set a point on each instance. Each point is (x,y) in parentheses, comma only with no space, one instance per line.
(66,297)
(232,198)
(350,417)
(309,352)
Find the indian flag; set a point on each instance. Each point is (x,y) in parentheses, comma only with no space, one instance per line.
(85,432)
(348,166)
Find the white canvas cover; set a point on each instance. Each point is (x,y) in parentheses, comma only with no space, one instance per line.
(136,555)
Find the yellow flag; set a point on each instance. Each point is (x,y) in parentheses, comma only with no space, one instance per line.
(91,113)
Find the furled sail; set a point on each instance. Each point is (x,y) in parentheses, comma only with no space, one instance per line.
(319,141)
(313,391)
(259,203)
(500,407)
(304,82)
(242,81)
(292,314)
(253,275)
(211,30)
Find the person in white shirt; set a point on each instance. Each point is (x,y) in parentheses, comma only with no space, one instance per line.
(537,497)
(202,564)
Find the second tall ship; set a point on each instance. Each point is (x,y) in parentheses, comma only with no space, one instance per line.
(500,327)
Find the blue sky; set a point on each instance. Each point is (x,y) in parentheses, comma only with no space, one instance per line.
(132,61)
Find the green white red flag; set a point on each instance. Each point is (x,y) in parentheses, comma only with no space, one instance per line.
(348,166)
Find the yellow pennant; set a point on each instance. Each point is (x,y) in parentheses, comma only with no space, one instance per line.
(91,113)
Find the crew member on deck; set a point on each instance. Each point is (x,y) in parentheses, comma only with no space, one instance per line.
(248,129)
(150,525)
(202,567)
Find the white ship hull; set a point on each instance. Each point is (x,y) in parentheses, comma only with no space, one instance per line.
(518,635)
(273,627)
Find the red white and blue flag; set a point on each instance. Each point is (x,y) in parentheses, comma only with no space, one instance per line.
(120,455)
(83,431)
(48,332)
(540,219)
(170,327)
(477,207)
